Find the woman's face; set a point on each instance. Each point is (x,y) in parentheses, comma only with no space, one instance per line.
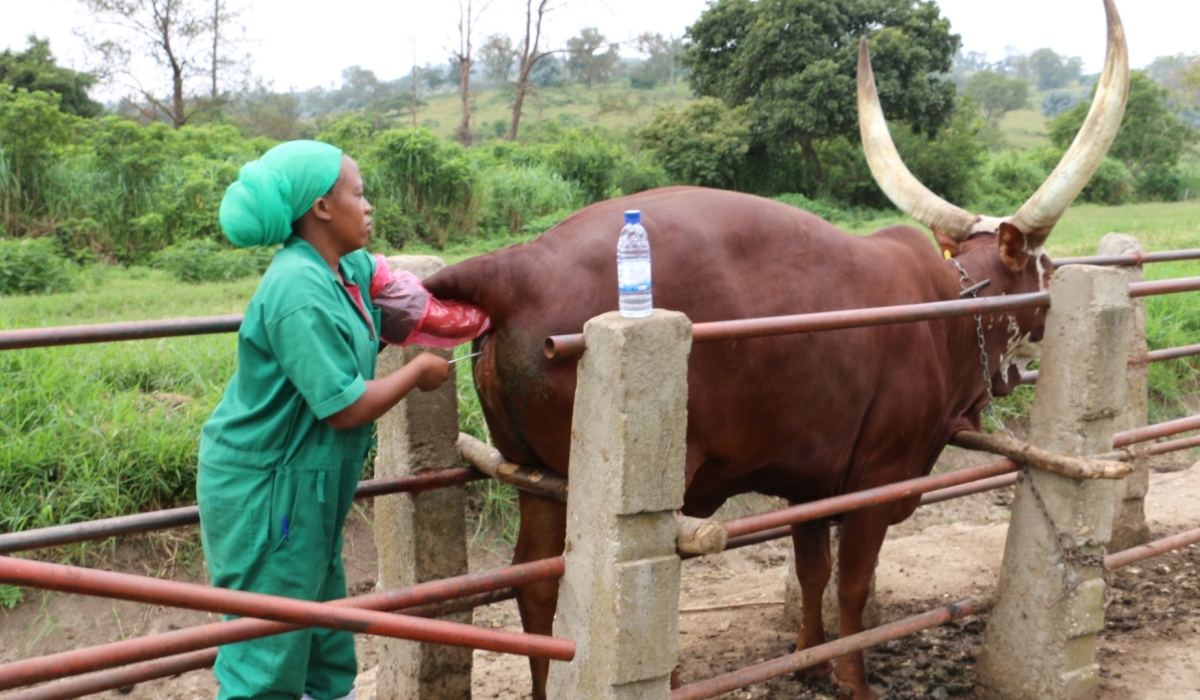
(350,222)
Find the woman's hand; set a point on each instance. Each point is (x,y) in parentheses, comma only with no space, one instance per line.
(425,372)
(434,371)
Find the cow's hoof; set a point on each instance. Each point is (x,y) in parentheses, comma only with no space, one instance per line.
(846,692)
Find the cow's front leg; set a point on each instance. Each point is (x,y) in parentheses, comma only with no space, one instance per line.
(542,535)
(811,543)
(858,550)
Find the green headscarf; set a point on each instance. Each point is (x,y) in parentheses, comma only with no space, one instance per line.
(272,192)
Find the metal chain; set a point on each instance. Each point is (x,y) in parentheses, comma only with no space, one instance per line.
(969,284)
(1069,554)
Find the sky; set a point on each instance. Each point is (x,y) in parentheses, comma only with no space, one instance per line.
(298,44)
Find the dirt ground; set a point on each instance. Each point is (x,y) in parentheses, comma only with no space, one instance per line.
(732,607)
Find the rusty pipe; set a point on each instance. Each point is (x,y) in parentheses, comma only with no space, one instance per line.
(190,515)
(1157,287)
(108,584)
(831,650)
(175,665)
(573,345)
(1151,549)
(127,330)
(1152,432)
(129,651)
(852,501)
(1131,258)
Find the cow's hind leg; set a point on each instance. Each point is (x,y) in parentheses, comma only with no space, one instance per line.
(811,543)
(542,535)
(858,550)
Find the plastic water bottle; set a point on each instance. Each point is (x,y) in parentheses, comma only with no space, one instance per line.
(634,288)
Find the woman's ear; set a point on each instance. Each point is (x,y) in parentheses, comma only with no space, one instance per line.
(320,209)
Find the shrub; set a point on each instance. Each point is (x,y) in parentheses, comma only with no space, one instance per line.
(705,144)
(1112,184)
(34,266)
(208,261)
(518,194)
(1057,102)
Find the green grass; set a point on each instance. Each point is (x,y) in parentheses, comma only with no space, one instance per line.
(1025,128)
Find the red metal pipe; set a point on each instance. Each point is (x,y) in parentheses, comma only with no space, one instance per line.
(1151,549)
(190,515)
(860,499)
(72,579)
(574,345)
(1172,353)
(1157,287)
(945,494)
(1131,258)
(1152,432)
(70,663)
(106,332)
(1163,448)
(831,650)
(175,665)
(990,484)
(118,678)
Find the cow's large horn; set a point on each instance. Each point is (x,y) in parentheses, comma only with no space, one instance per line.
(894,178)
(1038,215)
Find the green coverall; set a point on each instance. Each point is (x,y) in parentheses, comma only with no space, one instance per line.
(276,481)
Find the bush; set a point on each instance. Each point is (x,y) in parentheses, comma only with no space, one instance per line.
(1112,184)
(821,207)
(34,266)
(208,261)
(705,144)
(518,194)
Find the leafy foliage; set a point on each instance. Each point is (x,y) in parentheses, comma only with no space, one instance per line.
(792,63)
(34,266)
(35,69)
(1150,134)
(996,94)
(208,261)
(1058,101)
(705,144)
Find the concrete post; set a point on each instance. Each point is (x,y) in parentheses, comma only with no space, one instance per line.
(619,598)
(1040,641)
(420,538)
(1129,516)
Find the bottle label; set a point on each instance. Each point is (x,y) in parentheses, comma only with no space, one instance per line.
(633,276)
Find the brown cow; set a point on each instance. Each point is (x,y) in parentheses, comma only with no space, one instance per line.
(801,417)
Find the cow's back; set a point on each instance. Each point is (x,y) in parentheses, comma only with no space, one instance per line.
(783,415)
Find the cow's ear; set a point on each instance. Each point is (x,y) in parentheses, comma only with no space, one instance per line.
(1014,250)
(948,245)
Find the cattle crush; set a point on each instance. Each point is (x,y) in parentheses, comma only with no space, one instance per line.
(616,633)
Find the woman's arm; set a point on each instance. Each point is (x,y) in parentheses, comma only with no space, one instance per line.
(425,372)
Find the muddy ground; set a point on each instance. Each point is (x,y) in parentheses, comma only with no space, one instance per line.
(732,607)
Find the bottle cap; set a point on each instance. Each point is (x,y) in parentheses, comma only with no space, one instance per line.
(633,216)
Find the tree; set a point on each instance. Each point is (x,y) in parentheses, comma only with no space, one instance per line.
(793,64)
(1150,134)
(498,57)
(181,37)
(585,60)
(35,69)
(662,64)
(462,59)
(996,94)
(705,145)
(1049,70)
(528,56)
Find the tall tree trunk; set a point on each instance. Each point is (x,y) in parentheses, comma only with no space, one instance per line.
(216,38)
(464,84)
(528,58)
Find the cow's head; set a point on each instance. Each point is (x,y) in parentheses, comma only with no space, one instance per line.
(1007,250)
(1020,245)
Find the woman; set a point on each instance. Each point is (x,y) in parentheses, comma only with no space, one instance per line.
(281,456)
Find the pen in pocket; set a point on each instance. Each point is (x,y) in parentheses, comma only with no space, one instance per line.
(286,535)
